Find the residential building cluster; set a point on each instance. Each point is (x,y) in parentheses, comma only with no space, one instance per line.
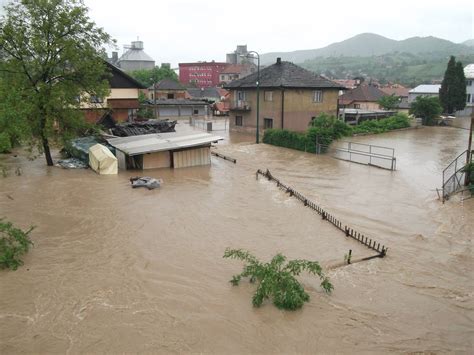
(290,96)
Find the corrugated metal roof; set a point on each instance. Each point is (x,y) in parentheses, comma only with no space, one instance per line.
(151,143)
(426,89)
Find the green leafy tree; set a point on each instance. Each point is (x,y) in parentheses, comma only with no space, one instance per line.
(13,110)
(53,57)
(460,98)
(14,242)
(149,76)
(452,93)
(276,279)
(389,102)
(426,107)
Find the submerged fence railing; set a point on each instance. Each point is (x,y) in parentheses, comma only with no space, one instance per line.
(368,154)
(225,157)
(454,175)
(349,232)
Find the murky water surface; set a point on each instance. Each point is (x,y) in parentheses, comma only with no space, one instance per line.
(115,269)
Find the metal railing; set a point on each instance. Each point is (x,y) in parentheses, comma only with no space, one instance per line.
(240,105)
(361,153)
(348,232)
(454,175)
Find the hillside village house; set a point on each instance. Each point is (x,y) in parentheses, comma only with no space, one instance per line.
(290,97)
(236,71)
(364,97)
(167,89)
(122,102)
(423,90)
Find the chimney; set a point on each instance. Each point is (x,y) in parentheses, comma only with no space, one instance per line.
(278,60)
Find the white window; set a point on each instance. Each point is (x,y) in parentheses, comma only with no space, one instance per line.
(468,82)
(268,96)
(318,96)
(468,98)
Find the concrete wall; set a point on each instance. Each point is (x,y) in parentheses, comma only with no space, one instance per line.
(299,108)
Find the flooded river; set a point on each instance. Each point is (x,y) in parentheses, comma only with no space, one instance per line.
(116,269)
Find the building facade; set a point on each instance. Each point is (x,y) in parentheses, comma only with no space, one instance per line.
(167,89)
(290,97)
(122,102)
(469,109)
(201,74)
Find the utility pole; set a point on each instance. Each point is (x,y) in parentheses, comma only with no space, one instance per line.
(467,175)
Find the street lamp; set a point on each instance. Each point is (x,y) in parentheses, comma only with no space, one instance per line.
(258,87)
(154,98)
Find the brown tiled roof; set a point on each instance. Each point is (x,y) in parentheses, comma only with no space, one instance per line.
(397,90)
(367,93)
(284,74)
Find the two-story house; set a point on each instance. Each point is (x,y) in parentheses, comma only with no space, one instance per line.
(167,89)
(122,102)
(364,97)
(290,97)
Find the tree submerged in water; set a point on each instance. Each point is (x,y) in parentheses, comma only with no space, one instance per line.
(14,242)
(276,279)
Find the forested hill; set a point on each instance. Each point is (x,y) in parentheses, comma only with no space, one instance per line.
(410,62)
(370,44)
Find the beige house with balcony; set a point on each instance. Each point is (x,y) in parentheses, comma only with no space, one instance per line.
(290,97)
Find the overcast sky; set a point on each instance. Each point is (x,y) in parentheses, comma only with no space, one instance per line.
(191,30)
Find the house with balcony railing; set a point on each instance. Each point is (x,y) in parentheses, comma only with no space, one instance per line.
(290,97)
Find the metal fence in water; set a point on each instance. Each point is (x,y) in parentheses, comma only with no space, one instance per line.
(216,124)
(454,175)
(349,232)
(368,154)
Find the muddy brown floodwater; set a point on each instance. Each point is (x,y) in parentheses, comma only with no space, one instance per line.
(120,270)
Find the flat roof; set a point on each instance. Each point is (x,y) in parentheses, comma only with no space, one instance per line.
(150,143)
(425,89)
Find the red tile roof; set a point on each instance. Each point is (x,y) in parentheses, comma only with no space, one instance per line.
(397,90)
(367,93)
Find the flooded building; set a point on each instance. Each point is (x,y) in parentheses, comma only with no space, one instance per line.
(290,96)
(164,150)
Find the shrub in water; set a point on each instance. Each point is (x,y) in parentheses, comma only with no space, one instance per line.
(276,279)
(13,244)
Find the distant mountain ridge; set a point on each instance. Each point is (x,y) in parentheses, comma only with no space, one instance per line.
(370,44)
(469,43)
